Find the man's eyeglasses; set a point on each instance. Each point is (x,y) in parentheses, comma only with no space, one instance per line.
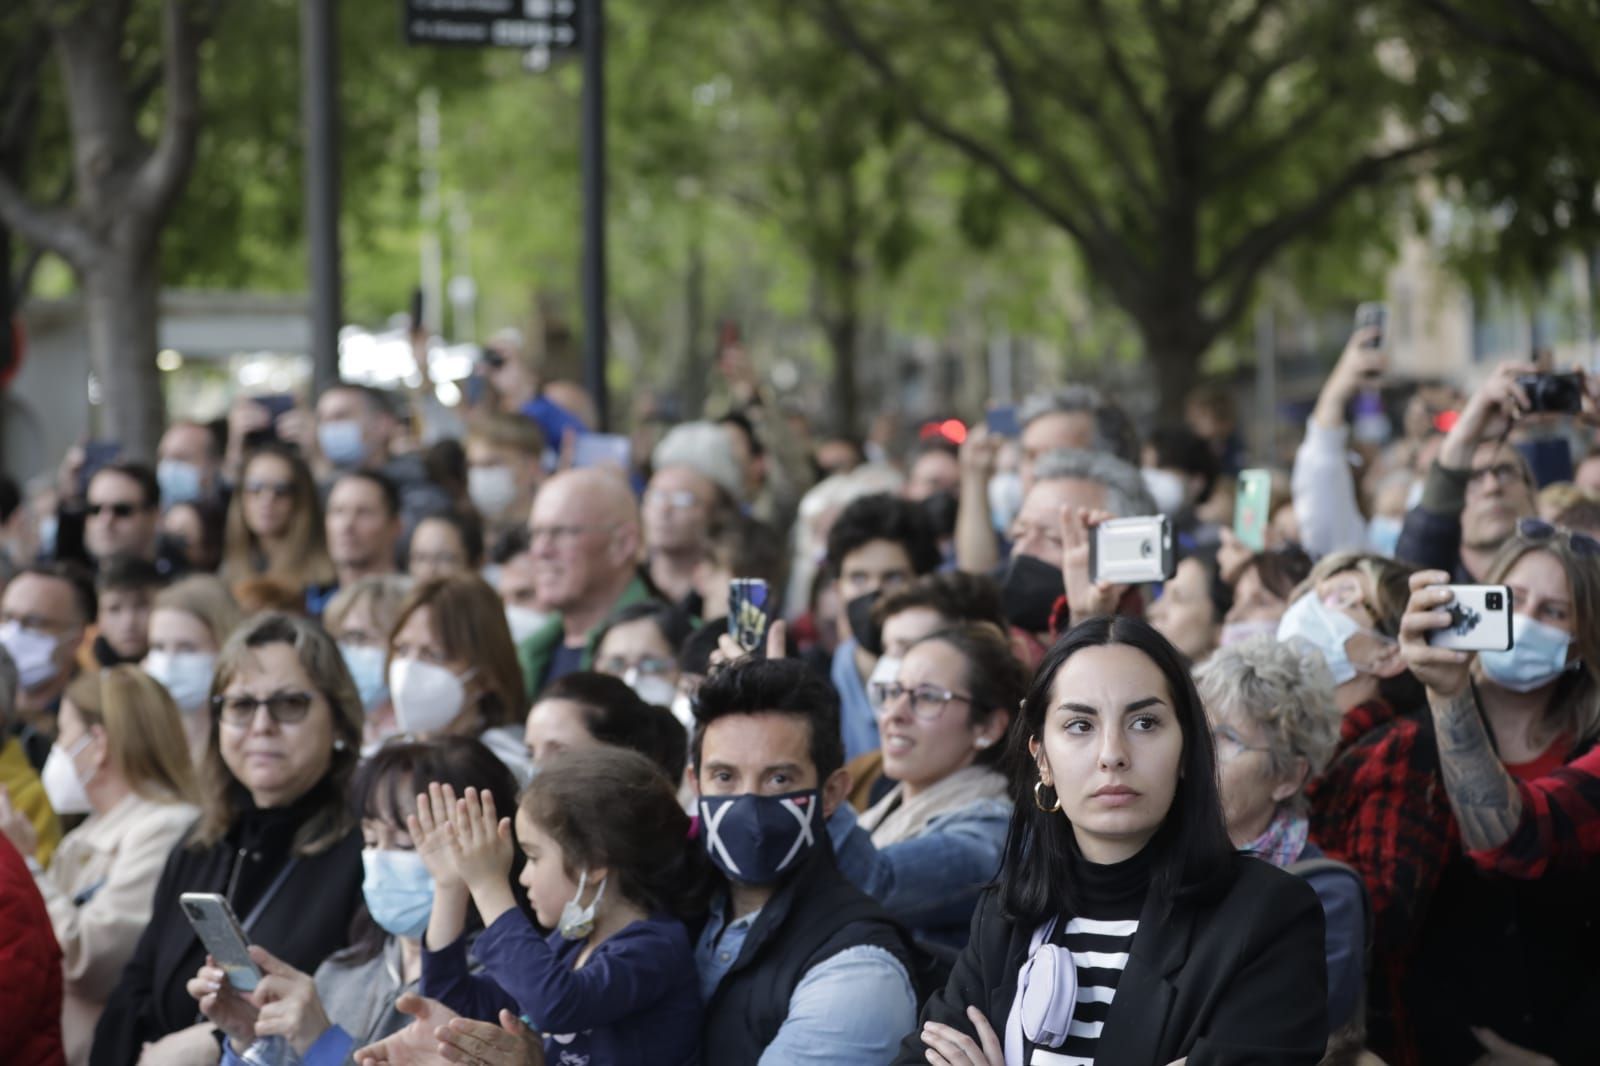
(285,708)
(1501,472)
(492,359)
(118,510)
(927,701)
(649,666)
(562,534)
(678,500)
(1537,529)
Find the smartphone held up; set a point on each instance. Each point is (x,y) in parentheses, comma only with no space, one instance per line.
(1132,551)
(1480,619)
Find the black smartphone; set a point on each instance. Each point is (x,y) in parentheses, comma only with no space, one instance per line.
(97,455)
(1373,315)
(1553,393)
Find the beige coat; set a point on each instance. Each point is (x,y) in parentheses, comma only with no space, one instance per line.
(117,857)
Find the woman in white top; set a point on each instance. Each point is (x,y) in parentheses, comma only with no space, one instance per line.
(121,758)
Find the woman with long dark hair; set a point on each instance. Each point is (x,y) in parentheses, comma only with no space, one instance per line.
(1125,929)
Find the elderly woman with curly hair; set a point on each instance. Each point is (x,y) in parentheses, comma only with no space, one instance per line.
(1273,716)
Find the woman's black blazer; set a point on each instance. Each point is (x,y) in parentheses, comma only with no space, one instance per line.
(1240,980)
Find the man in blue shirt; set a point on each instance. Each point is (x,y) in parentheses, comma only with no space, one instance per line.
(796,965)
(876,545)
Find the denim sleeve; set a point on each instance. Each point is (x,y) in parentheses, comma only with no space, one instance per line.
(935,878)
(852,1010)
(1344,908)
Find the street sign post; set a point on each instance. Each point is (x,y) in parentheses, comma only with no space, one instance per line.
(540,28)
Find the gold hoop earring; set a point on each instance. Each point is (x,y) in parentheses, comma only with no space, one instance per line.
(1038,799)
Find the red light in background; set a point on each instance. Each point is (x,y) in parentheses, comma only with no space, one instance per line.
(1445,421)
(953,430)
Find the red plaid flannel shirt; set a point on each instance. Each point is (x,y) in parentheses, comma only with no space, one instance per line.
(1560,827)
(1381,807)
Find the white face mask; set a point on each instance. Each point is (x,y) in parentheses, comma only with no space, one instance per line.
(62,785)
(33,652)
(652,688)
(426,696)
(1166,488)
(186,675)
(887,671)
(492,489)
(577,921)
(525,622)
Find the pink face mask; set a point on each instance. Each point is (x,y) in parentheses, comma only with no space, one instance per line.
(1047,992)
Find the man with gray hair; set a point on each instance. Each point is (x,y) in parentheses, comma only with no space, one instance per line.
(694,491)
(1073,417)
(1031,583)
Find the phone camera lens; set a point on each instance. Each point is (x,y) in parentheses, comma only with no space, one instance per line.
(1493,601)
(1145,549)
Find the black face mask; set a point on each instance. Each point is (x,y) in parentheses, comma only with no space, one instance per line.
(1029,592)
(941,510)
(866,632)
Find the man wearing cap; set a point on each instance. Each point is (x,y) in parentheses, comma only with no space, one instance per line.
(695,490)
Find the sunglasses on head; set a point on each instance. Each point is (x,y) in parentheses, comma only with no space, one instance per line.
(1538,529)
(118,510)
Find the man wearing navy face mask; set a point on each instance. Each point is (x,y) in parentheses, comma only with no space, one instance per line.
(796,965)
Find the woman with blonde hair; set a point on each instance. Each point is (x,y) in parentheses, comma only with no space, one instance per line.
(1466,963)
(453,669)
(276,836)
(120,758)
(275,522)
(360,618)
(189,623)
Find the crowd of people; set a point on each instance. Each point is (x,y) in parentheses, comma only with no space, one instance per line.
(504,741)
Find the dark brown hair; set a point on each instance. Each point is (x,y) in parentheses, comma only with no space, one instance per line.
(995,677)
(469,622)
(613,807)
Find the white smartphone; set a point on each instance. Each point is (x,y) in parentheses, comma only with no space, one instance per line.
(1131,551)
(214,923)
(1480,619)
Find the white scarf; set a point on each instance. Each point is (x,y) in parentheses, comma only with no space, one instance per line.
(895,818)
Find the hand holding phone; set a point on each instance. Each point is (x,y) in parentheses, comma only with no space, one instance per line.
(224,939)
(748,612)
(1373,318)
(1132,551)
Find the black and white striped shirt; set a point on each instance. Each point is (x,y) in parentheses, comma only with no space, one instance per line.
(1100,937)
(1099,952)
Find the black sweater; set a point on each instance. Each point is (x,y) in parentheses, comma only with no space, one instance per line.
(1239,980)
(306,920)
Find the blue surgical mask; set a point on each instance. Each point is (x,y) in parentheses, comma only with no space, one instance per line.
(1537,656)
(1383,533)
(1325,629)
(367,668)
(341,442)
(1005,500)
(1235,632)
(755,840)
(179,481)
(398,889)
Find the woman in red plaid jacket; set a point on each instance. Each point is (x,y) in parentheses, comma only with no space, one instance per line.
(1473,821)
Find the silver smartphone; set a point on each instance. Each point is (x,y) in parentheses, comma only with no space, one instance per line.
(214,923)
(1480,619)
(1131,551)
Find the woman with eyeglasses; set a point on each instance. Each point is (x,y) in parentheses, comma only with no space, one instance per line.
(350,1001)
(932,843)
(640,644)
(120,758)
(1125,928)
(1472,962)
(1274,722)
(275,526)
(275,837)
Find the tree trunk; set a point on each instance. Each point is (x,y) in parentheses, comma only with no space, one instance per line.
(844,337)
(121,293)
(1174,351)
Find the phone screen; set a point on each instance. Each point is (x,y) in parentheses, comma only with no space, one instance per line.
(1002,421)
(602,449)
(1252,508)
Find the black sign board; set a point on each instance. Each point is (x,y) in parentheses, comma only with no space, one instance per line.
(550,25)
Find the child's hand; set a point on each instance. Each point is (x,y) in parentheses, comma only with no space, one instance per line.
(480,842)
(431,830)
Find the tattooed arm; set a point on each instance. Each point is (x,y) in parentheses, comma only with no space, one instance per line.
(1482,793)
